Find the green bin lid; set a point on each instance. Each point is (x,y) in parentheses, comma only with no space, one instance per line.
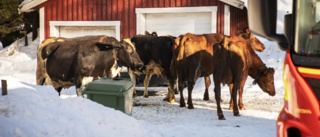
(116,85)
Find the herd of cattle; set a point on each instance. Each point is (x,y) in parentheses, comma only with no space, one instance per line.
(65,62)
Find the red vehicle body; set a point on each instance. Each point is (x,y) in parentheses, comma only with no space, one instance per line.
(300,116)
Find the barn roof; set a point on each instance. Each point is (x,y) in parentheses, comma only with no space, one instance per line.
(31,5)
(236,3)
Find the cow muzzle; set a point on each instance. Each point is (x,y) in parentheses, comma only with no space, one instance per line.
(139,66)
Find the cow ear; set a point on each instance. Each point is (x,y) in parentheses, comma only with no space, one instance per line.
(239,33)
(272,70)
(269,70)
(154,34)
(103,46)
(225,41)
(247,30)
(146,33)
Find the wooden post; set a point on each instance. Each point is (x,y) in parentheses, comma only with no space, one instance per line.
(4,87)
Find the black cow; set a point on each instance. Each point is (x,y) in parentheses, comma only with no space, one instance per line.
(156,53)
(81,60)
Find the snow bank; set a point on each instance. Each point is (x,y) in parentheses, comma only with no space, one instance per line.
(38,111)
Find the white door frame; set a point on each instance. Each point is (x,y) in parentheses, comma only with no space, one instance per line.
(141,15)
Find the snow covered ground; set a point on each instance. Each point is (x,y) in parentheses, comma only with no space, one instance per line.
(32,110)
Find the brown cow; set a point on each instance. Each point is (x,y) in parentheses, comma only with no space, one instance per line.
(192,58)
(257,46)
(196,56)
(234,60)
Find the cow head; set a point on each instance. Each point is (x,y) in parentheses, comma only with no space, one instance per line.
(254,41)
(127,55)
(265,80)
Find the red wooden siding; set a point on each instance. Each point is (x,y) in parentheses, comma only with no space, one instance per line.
(238,20)
(124,11)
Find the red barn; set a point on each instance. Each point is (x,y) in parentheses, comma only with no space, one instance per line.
(126,18)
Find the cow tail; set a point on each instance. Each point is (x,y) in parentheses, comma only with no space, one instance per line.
(182,54)
(173,64)
(49,49)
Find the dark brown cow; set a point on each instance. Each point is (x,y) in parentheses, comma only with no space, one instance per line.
(156,54)
(41,74)
(197,55)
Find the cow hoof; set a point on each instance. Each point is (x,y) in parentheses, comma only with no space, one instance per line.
(236,114)
(172,101)
(222,118)
(166,99)
(242,108)
(146,96)
(190,106)
(176,92)
(169,100)
(206,98)
(182,105)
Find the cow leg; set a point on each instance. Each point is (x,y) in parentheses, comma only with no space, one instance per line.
(176,90)
(180,84)
(206,93)
(234,97)
(58,89)
(231,100)
(78,84)
(171,91)
(146,84)
(133,78)
(242,82)
(79,94)
(41,81)
(217,91)
(191,84)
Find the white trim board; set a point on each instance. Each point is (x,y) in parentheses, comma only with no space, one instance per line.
(227,20)
(41,24)
(141,15)
(54,26)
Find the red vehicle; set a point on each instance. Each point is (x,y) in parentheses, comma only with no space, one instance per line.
(300,116)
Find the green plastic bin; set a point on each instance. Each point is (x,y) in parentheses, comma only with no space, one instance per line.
(115,93)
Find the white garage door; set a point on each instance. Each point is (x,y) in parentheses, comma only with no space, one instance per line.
(77,31)
(70,29)
(179,23)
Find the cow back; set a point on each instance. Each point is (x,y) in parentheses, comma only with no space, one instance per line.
(78,57)
(140,41)
(159,50)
